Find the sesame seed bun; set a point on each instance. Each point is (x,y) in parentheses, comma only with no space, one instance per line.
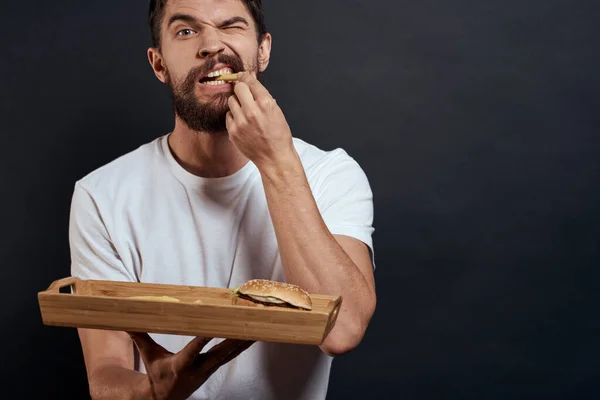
(275,293)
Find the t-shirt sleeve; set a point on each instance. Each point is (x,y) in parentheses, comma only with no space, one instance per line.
(345,200)
(93,255)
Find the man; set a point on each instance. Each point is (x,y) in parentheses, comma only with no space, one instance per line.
(229,195)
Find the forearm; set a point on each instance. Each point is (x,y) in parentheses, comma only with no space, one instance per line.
(118,383)
(312,258)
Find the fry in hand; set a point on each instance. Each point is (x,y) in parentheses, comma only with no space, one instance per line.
(227,77)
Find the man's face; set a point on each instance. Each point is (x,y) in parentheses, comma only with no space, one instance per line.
(200,37)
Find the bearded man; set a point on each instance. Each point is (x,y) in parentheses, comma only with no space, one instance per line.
(229,195)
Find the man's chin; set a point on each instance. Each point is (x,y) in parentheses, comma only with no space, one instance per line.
(206,114)
(206,122)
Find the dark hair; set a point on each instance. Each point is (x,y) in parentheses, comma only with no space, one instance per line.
(156,14)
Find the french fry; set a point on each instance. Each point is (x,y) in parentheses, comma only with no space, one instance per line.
(155,298)
(227,77)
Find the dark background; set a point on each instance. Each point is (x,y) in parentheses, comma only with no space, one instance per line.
(476,121)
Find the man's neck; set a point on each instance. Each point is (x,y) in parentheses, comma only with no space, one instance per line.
(205,155)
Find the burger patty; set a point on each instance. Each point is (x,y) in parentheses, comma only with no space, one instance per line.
(265,303)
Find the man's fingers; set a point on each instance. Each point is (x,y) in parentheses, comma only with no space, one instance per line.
(224,352)
(240,348)
(229,122)
(256,88)
(246,99)
(148,348)
(242,91)
(196,345)
(236,109)
(189,353)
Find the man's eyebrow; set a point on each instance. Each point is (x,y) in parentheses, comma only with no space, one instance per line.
(192,21)
(234,20)
(182,17)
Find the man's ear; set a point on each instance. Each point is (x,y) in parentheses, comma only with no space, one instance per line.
(156,61)
(264,52)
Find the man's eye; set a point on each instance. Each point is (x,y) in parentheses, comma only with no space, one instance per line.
(185,32)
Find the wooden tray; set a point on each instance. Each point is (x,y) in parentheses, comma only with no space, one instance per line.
(218,314)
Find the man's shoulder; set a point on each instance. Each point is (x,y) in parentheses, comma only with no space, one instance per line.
(124,170)
(332,172)
(314,157)
(321,164)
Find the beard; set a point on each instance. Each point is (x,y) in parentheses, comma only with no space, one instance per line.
(209,116)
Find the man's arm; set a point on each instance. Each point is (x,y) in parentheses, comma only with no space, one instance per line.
(312,257)
(108,355)
(109,361)
(317,260)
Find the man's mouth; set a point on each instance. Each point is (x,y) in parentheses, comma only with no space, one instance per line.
(211,78)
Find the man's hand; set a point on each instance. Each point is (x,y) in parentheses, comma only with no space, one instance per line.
(177,376)
(256,124)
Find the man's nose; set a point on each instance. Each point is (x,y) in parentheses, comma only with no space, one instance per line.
(211,45)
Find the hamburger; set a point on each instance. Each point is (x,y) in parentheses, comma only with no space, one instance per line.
(274,294)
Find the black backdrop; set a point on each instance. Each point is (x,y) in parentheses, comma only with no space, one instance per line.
(476,122)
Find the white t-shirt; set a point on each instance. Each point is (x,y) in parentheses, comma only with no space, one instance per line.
(143,218)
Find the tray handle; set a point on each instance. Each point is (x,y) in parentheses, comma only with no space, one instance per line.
(337,304)
(61,283)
